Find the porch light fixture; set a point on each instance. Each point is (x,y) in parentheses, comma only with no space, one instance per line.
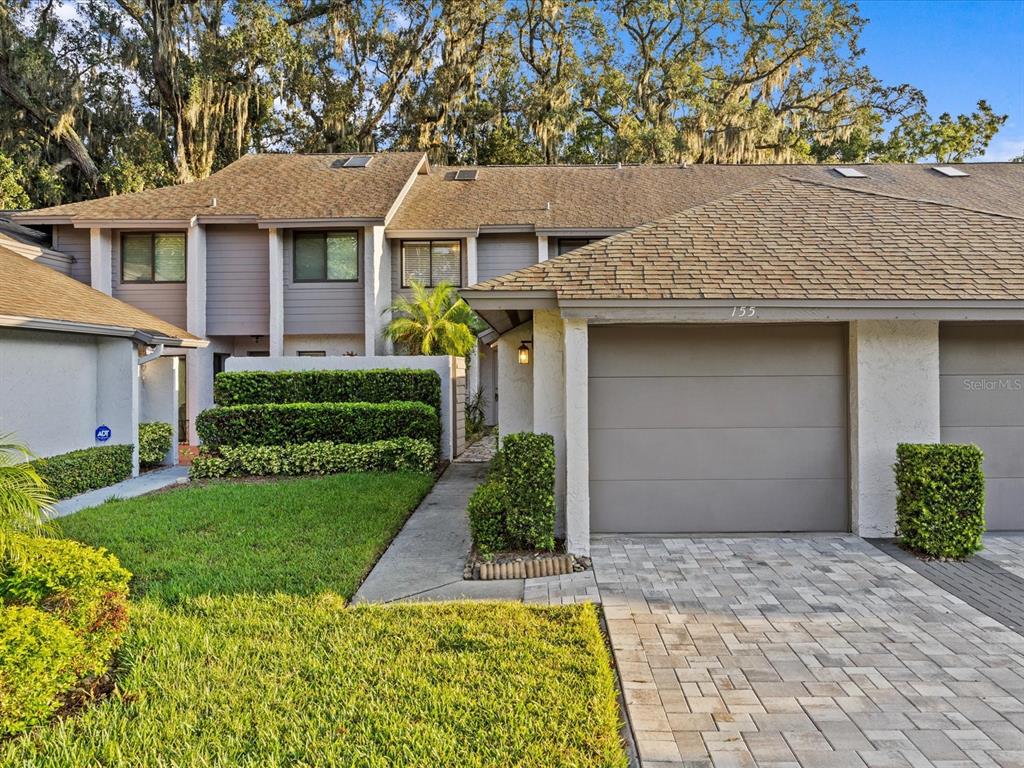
(524,352)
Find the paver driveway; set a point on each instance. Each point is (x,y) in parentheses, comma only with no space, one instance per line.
(804,652)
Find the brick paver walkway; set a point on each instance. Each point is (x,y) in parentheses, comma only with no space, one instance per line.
(803,652)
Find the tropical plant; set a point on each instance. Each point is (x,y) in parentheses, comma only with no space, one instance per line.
(433,322)
(24,497)
(476,414)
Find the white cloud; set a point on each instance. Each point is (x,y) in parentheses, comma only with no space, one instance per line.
(66,11)
(1005,147)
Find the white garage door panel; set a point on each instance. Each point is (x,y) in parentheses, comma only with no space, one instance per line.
(725,505)
(696,454)
(718,428)
(695,401)
(981,379)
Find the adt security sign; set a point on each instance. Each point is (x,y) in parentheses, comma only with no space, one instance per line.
(102,433)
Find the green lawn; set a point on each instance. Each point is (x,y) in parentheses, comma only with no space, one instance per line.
(299,536)
(242,652)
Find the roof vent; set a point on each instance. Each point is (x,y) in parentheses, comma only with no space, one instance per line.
(949,170)
(849,173)
(357,161)
(466,174)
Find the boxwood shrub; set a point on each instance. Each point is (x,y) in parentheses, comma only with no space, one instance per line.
(70,474)
(317,458)
(486,511)
(154,442)
(86,589)
(940,504)
(528,472)
(316,422)
(374,386)
(515,508)
(38,660)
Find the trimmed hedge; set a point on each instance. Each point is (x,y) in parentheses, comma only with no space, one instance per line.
(85,588)
(515,508)
(486,513)
(940,504)
(63,610)
(154,442)
(319,458)
(374,386)
(70,474)
(38,656)
(317,422)
(528,472)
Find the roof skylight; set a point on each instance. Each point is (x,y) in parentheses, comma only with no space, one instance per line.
(466,174)
(849,173)
(357,161)
(949,170)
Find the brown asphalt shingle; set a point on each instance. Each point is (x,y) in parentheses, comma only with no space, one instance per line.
(789,238)
(270,186)
(37,292)
(607,197)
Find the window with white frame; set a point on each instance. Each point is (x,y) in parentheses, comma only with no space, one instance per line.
(431,262)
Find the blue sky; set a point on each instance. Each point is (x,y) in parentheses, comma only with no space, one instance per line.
(956,51)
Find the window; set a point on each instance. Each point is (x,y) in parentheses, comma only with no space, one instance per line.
(311,353)
(153,257)
(326,257)
(257,353)
(566,244)
(431,262)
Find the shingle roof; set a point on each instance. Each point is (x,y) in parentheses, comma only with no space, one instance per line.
(608,197)
(789,238)
(268,186)
(33,291)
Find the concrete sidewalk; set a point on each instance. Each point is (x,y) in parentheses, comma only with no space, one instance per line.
(156,480)
(426,559)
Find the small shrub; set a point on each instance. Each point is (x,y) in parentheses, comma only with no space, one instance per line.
(154,443)
(375,386)
(486,513)
(527,470)
(940,505)
(70,474)
(38,661)
(86,589)
(313,422)
(317,458)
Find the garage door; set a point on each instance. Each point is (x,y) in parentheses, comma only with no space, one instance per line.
(718,428)
(982,401)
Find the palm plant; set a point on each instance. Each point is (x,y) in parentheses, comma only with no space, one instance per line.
(24,497)
(433,322)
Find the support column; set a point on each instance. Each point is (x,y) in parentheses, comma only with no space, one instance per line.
(542,248)
(549,393)
(515,383)
(377,287)
(473,361)
(100,260)
(894,398)
(199,362)
(577,438)
(276,330)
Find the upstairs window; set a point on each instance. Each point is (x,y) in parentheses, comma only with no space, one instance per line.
(567,244)
(153,257)
(326,257)
(431,262)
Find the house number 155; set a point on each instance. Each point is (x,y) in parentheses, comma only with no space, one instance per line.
(744,311)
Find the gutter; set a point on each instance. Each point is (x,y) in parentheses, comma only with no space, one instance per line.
(149,356)
(149,338)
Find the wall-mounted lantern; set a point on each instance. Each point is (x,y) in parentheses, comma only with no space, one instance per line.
(524,352)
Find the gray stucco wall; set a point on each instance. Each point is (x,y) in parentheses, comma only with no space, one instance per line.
(237,281)
(314,308)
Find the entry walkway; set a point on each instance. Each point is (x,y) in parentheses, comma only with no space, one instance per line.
(156,480)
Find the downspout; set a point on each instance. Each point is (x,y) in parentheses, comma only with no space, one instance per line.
(157,351)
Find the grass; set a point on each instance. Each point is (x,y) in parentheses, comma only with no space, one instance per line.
(299,536)
(242,651)
(286,681)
